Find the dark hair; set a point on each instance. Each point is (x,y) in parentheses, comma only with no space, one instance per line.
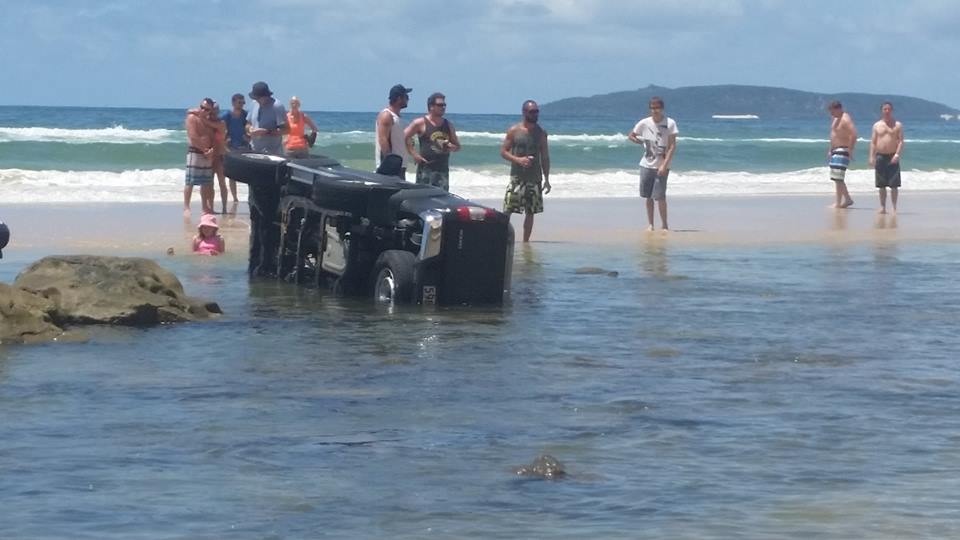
(236,97)
(434,97)
(885,103)
(835,105)
(209,101)
(523,108)
(656,100)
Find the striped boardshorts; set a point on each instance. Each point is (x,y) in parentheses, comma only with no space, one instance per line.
(839,161)
(199,169)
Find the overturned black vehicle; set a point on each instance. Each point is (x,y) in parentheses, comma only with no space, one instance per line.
(316,222)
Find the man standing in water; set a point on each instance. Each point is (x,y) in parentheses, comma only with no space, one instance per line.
(886,143)
(525,147)
(437,140)
(658,134)
(843,137)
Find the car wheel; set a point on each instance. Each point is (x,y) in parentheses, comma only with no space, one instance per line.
(393,277)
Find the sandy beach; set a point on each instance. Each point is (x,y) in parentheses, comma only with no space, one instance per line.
(151,228)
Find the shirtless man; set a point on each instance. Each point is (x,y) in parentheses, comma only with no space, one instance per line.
(843,137)
(886,143)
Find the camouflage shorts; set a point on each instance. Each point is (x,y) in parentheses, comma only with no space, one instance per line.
(523,197)
(440,179)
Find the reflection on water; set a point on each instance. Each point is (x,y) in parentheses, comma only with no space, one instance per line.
(885,221)
(839,219)
(654,260)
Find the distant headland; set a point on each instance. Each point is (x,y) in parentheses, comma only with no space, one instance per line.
(740,101)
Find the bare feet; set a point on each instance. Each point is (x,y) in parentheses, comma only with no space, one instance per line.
(186,212)
(649,228)
(847,204)
(881,210)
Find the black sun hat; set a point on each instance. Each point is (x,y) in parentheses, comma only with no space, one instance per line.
(260,89)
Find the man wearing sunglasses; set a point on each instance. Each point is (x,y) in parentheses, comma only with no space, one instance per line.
(658,135)
(525,147)
(437,139)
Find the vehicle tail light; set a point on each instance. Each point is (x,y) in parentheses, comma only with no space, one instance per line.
(474,213)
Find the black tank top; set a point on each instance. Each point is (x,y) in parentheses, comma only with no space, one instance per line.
(433,146)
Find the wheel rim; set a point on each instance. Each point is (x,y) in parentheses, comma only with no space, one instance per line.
(386,286)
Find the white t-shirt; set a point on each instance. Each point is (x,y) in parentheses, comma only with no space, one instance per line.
(655,138)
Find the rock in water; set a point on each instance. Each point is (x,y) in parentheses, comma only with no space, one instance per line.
(594,271)
(25,317)
(545,466)
(112,290)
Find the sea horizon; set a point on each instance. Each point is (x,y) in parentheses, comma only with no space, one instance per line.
(136,154)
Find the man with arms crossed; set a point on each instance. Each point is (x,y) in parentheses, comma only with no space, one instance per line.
(886,143)
(437,140)
(843,137)
(525,147)
(658,135)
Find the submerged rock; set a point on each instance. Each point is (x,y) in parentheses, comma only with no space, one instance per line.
(545,466)
(593,270)
(55,292)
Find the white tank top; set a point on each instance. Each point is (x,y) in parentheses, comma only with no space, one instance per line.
(397,144)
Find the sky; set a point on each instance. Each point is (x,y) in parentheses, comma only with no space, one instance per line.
(487,56)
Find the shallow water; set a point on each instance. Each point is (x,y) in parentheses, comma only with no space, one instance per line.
(705,392)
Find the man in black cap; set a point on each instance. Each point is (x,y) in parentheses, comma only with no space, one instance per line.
(390,129)
(267,121)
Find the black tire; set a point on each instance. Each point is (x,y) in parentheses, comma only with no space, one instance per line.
(392,277)
(256,170)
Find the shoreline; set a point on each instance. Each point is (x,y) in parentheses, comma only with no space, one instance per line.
(735,220)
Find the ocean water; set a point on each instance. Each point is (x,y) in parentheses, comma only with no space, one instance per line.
(706,392)
(800,391)
(64,154)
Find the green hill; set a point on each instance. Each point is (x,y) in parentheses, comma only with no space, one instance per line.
(702,102)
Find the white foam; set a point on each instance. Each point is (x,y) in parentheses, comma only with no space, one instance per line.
(166,185)
(122,135)
(113,135)
(619,183)
(155,185)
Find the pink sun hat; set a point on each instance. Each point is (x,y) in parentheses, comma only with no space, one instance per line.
(208,220)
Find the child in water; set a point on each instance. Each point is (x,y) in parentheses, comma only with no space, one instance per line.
(208,241)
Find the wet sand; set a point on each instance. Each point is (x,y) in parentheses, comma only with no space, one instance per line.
(152,228)
(748,220)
